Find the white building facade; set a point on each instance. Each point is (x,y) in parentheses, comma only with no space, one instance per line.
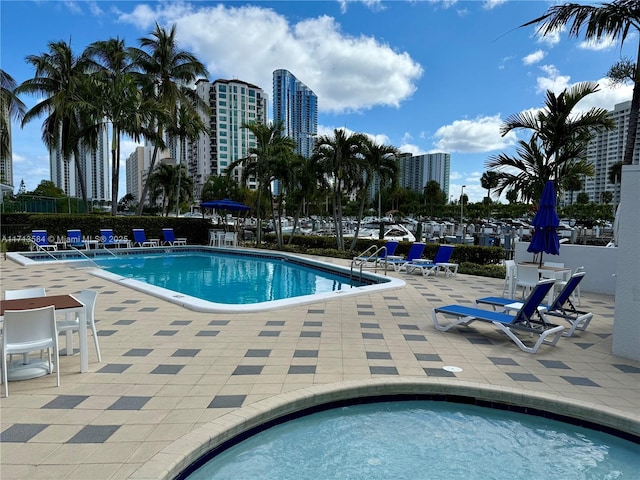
(417,170)
(232,104)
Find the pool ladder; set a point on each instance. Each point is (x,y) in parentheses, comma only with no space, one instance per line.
(369,258)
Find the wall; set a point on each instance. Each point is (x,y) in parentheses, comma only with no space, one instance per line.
(626,324)
(600,263)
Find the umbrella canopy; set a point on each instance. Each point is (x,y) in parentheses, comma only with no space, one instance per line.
(224,204)
(545,222)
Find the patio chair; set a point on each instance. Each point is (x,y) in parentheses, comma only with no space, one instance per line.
(170,238)
(74,239)
(415,251)
(26,331)
(527,277)
(561,306)
(439,262)
(140,239)
(40,240)
(527,320)
(230,239)
(509,278)
(24,293)
(88,298)
(108,239)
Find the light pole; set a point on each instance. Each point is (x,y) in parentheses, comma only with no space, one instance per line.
(461,204)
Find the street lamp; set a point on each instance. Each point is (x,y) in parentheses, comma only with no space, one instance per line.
(461,204)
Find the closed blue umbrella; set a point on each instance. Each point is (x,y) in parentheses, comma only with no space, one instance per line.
(545,223)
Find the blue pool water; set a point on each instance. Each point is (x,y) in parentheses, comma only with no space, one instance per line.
(425,439)
(225,278)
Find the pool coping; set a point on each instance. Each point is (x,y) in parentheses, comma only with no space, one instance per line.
(196,304)
(182,453)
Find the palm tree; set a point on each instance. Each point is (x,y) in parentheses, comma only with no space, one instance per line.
(164,183)
(187,126)
(336,156)
(613,19)
(377,159)
(558,143)
(164,72)
(61,77)
(265,163)
(10,107)
(572,183)
(118,100)
(302,188)
(489,180)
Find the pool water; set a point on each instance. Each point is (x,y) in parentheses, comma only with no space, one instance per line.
(425,439)
(224,278)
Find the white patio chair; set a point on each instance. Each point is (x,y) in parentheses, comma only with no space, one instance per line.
(88,298)
(230,239)
(26,331)
(24,293)
(509,278)
(527,277)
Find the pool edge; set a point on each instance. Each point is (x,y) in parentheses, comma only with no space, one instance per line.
(180,454)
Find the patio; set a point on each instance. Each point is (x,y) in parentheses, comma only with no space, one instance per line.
(167,371)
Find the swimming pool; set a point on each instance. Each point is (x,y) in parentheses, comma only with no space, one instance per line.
(424,439)
(223,280)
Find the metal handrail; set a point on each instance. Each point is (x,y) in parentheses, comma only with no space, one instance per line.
(370,255)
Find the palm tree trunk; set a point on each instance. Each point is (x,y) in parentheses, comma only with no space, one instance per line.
(81,177)
(633,115)
(114,173)
(360,213)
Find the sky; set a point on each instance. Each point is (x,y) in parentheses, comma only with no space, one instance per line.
(423,75)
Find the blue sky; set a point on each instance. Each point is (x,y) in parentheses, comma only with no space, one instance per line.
(424,76)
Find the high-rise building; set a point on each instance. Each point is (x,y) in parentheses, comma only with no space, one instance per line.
(232,104)
(137,168)
(603,151)
(6,157)
(417,170)
(94,163)
(296,106)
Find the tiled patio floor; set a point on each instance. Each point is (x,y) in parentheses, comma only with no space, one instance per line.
(167,371)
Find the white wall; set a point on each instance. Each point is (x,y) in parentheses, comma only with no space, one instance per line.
(600,263)
(626,324)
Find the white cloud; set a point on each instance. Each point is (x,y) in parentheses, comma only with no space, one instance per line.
(552,80)
(348,73)
(491,4)
(375,5)
(550,39)
(598,45)
(534,57)
(412,149)
(473,136)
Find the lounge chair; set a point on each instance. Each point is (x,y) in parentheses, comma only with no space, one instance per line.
(140,239)
(526,320)
(74,239)
(170,238)
(108,239)
(40,240)
(439,262)
(415,251)
(560,307)
(374,255)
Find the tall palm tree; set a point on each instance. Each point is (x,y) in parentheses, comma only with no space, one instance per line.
(489,180)
(264,163)
(118,100)
(336,156)
(10,107)
(186,126)
(572,183)
(615,19)
(163,183)
(557,148)
(164,71)
(61,77)
(377,159)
